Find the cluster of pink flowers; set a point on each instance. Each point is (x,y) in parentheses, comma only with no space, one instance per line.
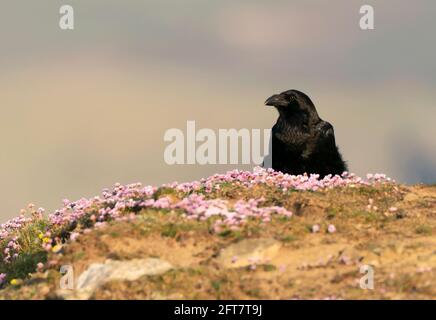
(197,207)
(8,228)
(281,180)
(109,205)
(123,201)
(194,206)
(330,228)
(12,249)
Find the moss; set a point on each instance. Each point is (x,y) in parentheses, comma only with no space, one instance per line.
(169,230)
(78,255)
(268,267)
(226,233)
(288,238)
(331,213)
(424,229)
(216,285)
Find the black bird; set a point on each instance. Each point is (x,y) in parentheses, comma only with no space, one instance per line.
(301,141)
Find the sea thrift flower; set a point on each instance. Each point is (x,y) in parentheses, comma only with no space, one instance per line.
(331,228)
(253,263)
(315,228)
(99,224)
(40,267)
(74,236)
(2,278)
(345,260)
(424,269)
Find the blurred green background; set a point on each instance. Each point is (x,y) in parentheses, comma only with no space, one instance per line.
(83,109)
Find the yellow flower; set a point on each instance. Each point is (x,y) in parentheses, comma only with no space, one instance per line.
(57,248)
(40,236)
(46,240)
(14,282)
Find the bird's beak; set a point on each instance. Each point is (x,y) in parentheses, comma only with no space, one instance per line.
(276,100)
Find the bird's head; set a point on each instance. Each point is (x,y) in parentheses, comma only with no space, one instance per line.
(292,102)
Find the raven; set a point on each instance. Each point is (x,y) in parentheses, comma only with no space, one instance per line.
(301,141)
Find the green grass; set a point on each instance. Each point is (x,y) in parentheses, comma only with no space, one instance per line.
(31,252)
(24,264)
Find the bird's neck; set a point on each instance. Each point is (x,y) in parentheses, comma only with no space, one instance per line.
(297,119)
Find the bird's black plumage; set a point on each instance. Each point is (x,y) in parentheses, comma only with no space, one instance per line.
(301,141)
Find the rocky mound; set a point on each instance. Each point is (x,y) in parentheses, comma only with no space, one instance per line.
(240,235)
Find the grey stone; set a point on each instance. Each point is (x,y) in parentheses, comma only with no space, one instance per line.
(98,274)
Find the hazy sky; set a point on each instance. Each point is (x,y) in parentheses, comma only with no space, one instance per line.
(83,109)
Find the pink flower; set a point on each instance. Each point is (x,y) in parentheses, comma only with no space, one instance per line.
(331,228)
(99,225)
(74,236)
(40,267)
(2,277)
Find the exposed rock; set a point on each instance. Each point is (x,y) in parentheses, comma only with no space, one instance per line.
(248,252)
(99,273)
